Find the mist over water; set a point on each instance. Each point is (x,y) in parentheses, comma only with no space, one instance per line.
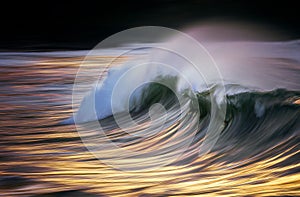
(256,153)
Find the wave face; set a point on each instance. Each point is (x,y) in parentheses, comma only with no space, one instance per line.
(258,121)
(255,121)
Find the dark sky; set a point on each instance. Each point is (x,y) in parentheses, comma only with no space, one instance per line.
(72,24)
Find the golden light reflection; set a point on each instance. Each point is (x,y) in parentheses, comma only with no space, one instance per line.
(52,158)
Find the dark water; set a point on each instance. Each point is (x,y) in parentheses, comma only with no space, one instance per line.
(257,153)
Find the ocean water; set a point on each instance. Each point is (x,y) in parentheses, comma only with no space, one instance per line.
(256,154)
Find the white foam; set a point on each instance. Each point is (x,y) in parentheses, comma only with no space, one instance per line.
(248,64)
